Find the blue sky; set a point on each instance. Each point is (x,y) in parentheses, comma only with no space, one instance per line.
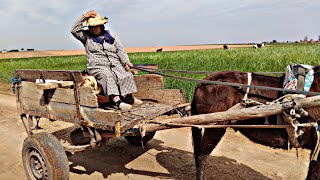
(45,25)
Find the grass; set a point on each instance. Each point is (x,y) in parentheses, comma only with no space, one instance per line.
(273,58)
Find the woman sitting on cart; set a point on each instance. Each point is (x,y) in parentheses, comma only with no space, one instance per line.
(106,59)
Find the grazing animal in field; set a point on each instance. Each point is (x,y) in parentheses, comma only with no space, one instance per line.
(14,50)
(225,47)
(258,46)
(159,50)
(215,98)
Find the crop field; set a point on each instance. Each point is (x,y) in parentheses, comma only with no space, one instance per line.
(269,59)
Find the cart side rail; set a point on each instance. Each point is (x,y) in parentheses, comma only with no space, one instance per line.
(62,75)
(59,104)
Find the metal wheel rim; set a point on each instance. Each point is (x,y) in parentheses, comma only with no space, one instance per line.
(36,164)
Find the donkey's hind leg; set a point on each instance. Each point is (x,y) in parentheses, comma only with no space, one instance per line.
(203,146)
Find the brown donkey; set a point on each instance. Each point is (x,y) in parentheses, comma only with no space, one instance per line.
(215,98)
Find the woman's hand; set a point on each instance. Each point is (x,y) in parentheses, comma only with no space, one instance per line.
(128,65)
(90,14)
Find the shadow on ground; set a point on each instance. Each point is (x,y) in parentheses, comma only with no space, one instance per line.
(113,158)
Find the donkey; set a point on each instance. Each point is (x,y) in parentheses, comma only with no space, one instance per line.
(215,98)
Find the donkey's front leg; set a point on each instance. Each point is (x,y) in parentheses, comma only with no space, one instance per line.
(203,146)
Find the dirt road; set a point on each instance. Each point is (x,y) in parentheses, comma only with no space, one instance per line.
(167,156)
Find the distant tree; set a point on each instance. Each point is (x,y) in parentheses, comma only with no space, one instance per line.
(22,49)
(319,38)
(305,38)
(274,41)
(311,40)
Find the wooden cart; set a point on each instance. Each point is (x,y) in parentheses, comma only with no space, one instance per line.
(55,95)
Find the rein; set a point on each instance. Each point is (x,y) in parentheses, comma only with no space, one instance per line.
(199,72)
(224,83)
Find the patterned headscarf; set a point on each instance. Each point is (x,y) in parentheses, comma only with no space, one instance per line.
(106,37)
(98,39)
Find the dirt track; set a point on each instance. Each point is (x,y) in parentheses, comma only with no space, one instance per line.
(167,156)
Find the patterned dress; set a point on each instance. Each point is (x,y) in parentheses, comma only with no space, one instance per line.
(105,62)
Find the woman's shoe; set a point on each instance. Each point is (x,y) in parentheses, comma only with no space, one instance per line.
(137,101)
(124,106)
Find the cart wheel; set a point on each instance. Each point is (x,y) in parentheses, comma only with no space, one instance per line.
(43,157)
(136,140)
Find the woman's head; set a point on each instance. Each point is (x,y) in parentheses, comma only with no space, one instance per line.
(96,24)
(96,30)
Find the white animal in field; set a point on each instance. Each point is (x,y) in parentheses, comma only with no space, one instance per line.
(258,46)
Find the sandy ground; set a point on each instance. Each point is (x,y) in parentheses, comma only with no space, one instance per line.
(25,54)
(167,156)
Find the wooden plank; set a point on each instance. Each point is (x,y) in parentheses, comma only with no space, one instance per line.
(149,81)
(100,118)
(87,96)
(144,112)
(233,126)
(30,90)
(31,105)
(166,96)
(97,116)
(310,102)
(54,85)
(151,87)
(239,114)
(62,75)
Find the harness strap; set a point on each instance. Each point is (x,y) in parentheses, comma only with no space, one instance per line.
(301,74)
(248,88)
(315,154)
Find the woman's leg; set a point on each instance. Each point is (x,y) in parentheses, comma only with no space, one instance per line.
(120,105)
(115,98)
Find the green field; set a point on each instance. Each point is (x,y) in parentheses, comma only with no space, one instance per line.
(273,58)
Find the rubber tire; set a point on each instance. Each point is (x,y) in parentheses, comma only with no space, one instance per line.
(136,140)
(53,156)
